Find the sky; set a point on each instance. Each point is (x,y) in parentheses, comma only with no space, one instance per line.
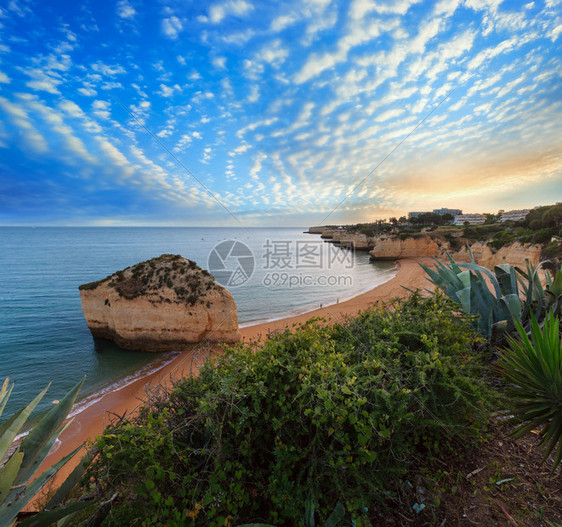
(245,113)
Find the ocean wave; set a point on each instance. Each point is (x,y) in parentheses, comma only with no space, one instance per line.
(92,399)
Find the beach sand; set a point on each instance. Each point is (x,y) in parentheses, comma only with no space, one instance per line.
(124,401)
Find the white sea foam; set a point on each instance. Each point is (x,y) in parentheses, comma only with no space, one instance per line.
(88,401)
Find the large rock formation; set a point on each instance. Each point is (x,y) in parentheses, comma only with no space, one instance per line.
(514,253)
(394,247)
(167,303)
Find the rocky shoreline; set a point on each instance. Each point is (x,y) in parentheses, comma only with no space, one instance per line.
(423,245)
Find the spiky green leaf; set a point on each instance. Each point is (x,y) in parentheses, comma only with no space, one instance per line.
(34,444)
(14,427)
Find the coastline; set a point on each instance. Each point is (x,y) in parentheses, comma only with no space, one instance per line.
(125,400)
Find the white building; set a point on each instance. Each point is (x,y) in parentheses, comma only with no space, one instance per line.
(472,219)
(443,211)
(514,215)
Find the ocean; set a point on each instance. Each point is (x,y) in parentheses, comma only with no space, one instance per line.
(43,334)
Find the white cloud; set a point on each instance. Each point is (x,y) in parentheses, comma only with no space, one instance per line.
(254,94)
(22,120)
(555,33)
(112,152)
(56,121)
(283,21)
(88,92)
(251,127)
(168,91)
(171,27)
(218,12)
(109,70)
(398,7)
(219,62)
(42,81)
(273,53)
(125,9)
(4,78)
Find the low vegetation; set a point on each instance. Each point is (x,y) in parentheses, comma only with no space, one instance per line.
(383,419)
(323,415)
(187,280)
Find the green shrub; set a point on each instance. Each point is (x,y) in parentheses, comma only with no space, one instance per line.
(320,415)
(542,236)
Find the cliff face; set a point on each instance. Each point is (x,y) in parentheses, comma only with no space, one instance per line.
(167,303)
(514,254)
(392,247)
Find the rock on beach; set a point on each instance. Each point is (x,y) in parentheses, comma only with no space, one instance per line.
(164,304)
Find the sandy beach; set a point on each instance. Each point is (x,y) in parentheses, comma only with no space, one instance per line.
(124,401)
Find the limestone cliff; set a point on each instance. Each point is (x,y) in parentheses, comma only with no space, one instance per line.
(513,253)
(167,303)
(393,247)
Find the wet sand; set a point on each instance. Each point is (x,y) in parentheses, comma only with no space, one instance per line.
(125,401)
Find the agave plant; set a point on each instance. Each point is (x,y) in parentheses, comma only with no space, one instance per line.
(532,367)
(500,298)
(17,488)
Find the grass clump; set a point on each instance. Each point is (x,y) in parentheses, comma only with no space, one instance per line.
(321,415)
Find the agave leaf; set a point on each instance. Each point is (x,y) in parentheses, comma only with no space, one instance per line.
(18,499)
(15,425)
(463,296)
(34,444)
(46,518)
(309,512)
(513,306)
(337,516)
(27,470)
(8,474)
(5,394)
(464,277)
(532,365)
(556,285)
(71,481)
(507,279)
(480,271)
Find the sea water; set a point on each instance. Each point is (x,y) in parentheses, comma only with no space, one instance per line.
(43,333)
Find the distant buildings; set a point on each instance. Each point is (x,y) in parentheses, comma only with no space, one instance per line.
(452,212)
(472,219)
(441,212)
(513,215)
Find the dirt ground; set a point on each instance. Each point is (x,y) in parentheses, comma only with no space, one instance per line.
(502,482)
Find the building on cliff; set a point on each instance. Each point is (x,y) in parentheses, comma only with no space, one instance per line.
(472,219)
(514,215)
(443,211)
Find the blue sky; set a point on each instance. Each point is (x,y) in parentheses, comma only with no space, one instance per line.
(279,109)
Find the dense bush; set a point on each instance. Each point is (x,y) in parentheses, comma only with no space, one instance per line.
(322,414)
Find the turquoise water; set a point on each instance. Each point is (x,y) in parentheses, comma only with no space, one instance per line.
(43,334)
